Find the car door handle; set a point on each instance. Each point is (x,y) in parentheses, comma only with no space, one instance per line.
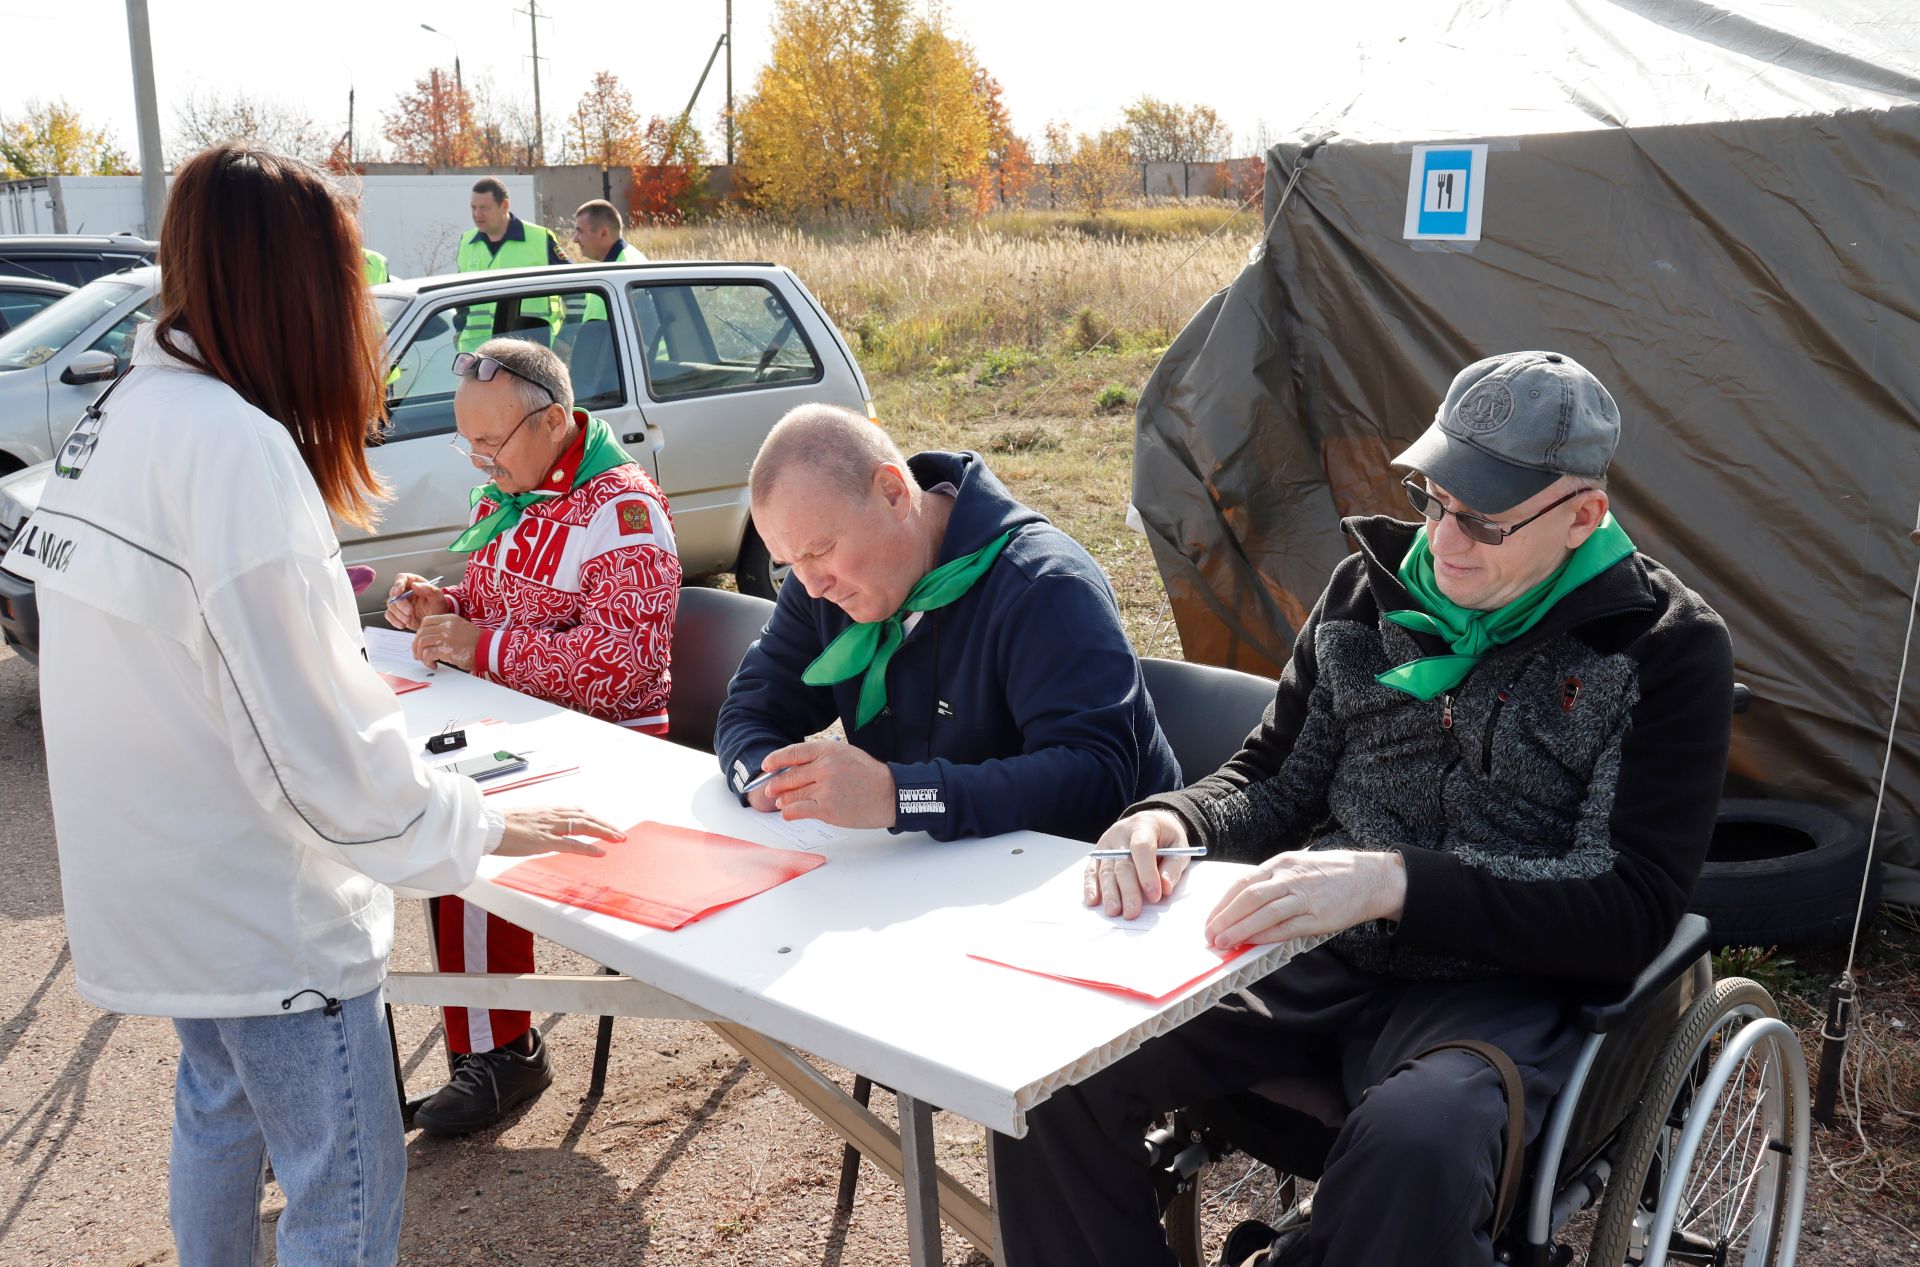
(633,437)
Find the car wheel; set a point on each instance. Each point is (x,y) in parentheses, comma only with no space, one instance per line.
(755,572)
(1783,873)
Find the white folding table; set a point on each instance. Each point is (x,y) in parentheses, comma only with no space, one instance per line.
(862,962)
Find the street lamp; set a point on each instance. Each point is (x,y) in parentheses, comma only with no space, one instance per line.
(457,82)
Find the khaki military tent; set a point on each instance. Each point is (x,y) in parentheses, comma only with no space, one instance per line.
(1714,207)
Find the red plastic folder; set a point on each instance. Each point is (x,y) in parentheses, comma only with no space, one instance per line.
(1154,990)
(401,685)
(663,877)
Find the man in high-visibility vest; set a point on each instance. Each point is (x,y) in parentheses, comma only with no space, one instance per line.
(597,232)
(375,265)
(500,240)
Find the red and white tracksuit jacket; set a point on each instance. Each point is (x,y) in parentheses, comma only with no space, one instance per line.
(575,604)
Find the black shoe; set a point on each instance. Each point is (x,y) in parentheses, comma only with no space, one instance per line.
(1247,1239)
(485,1087)
(1254,1244)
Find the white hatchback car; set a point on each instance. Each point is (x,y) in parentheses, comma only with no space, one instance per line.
(53,363)
(690,362)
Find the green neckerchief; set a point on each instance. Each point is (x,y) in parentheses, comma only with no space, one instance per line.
(602,454)
(867,648)
(1472,634)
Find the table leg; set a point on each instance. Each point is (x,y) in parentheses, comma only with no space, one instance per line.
(923,1194)
(431,909)
(967,1213)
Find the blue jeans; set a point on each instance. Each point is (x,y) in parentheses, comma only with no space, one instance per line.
(316,1094)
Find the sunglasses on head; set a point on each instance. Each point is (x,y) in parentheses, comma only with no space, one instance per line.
(1485,531)
(483,368)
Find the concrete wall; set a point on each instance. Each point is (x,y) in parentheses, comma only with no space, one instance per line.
(74,204)
(416,220)
(556,190)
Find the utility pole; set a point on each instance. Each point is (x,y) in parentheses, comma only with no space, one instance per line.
(153,172)
(539,155)
(729,84)
(349,125)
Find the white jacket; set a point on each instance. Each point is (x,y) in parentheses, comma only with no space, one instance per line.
(233,786)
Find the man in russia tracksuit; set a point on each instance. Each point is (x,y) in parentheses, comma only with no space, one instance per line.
(569,596)
(972,651)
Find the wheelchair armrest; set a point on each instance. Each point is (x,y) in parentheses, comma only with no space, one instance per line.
(1690,940)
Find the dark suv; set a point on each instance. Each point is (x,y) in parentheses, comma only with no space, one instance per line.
(72,258)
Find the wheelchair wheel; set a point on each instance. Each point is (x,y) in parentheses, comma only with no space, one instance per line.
(1711,1167)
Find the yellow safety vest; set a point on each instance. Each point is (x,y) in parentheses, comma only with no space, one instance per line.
(375,265)
(529,251)
(627,254)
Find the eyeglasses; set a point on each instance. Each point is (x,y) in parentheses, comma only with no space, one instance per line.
(483,368)
(1485,531)
(469,450)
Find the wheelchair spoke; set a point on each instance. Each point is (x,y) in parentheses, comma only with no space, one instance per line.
(1729,1197)
(1713,1133)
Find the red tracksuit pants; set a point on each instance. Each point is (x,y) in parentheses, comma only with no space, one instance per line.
(471,939)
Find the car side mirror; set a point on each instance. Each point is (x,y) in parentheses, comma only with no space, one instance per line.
(92,366)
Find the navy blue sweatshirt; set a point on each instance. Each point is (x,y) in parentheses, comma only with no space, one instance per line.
(1019,705)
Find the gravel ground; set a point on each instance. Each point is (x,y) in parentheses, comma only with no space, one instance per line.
(691,1158)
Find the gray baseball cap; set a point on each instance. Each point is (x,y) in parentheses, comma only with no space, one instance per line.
(1513,424)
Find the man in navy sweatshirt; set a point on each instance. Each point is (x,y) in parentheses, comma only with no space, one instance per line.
(972,651)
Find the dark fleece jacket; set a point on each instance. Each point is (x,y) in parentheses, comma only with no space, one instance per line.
(1553,810)
(1018,705)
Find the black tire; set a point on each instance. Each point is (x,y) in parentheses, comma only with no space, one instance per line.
(1182,1222)
(754,572)
(1639,1158)
(1782,873)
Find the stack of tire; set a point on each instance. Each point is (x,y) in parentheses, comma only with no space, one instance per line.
(1783,873)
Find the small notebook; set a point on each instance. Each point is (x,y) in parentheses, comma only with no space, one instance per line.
(661,876)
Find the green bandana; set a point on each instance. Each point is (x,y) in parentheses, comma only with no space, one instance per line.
(867,648)
(603,453)
(1472,634)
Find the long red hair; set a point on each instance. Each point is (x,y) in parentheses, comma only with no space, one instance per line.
(260,266)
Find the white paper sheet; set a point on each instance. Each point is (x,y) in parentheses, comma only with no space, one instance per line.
(391,651)
(806,833)
(1053,932)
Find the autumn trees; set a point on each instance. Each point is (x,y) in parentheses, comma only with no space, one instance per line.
(869,107)
(51,139)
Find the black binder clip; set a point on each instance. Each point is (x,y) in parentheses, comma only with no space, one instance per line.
(447,741)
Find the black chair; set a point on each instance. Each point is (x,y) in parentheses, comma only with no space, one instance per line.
(711,633)
(593,366)
(1205,712)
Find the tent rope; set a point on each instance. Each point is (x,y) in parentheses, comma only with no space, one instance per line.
(1886,762)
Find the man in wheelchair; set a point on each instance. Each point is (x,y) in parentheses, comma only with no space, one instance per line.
(1488,777)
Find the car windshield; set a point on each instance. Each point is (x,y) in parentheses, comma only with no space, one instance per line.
(42,335)
(390,306)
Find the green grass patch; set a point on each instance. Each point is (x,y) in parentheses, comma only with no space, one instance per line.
(1115,398)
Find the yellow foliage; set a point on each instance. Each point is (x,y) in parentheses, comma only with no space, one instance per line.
(51,139)
(861,108)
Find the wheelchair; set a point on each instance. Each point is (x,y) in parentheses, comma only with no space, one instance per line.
(1685,1118)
